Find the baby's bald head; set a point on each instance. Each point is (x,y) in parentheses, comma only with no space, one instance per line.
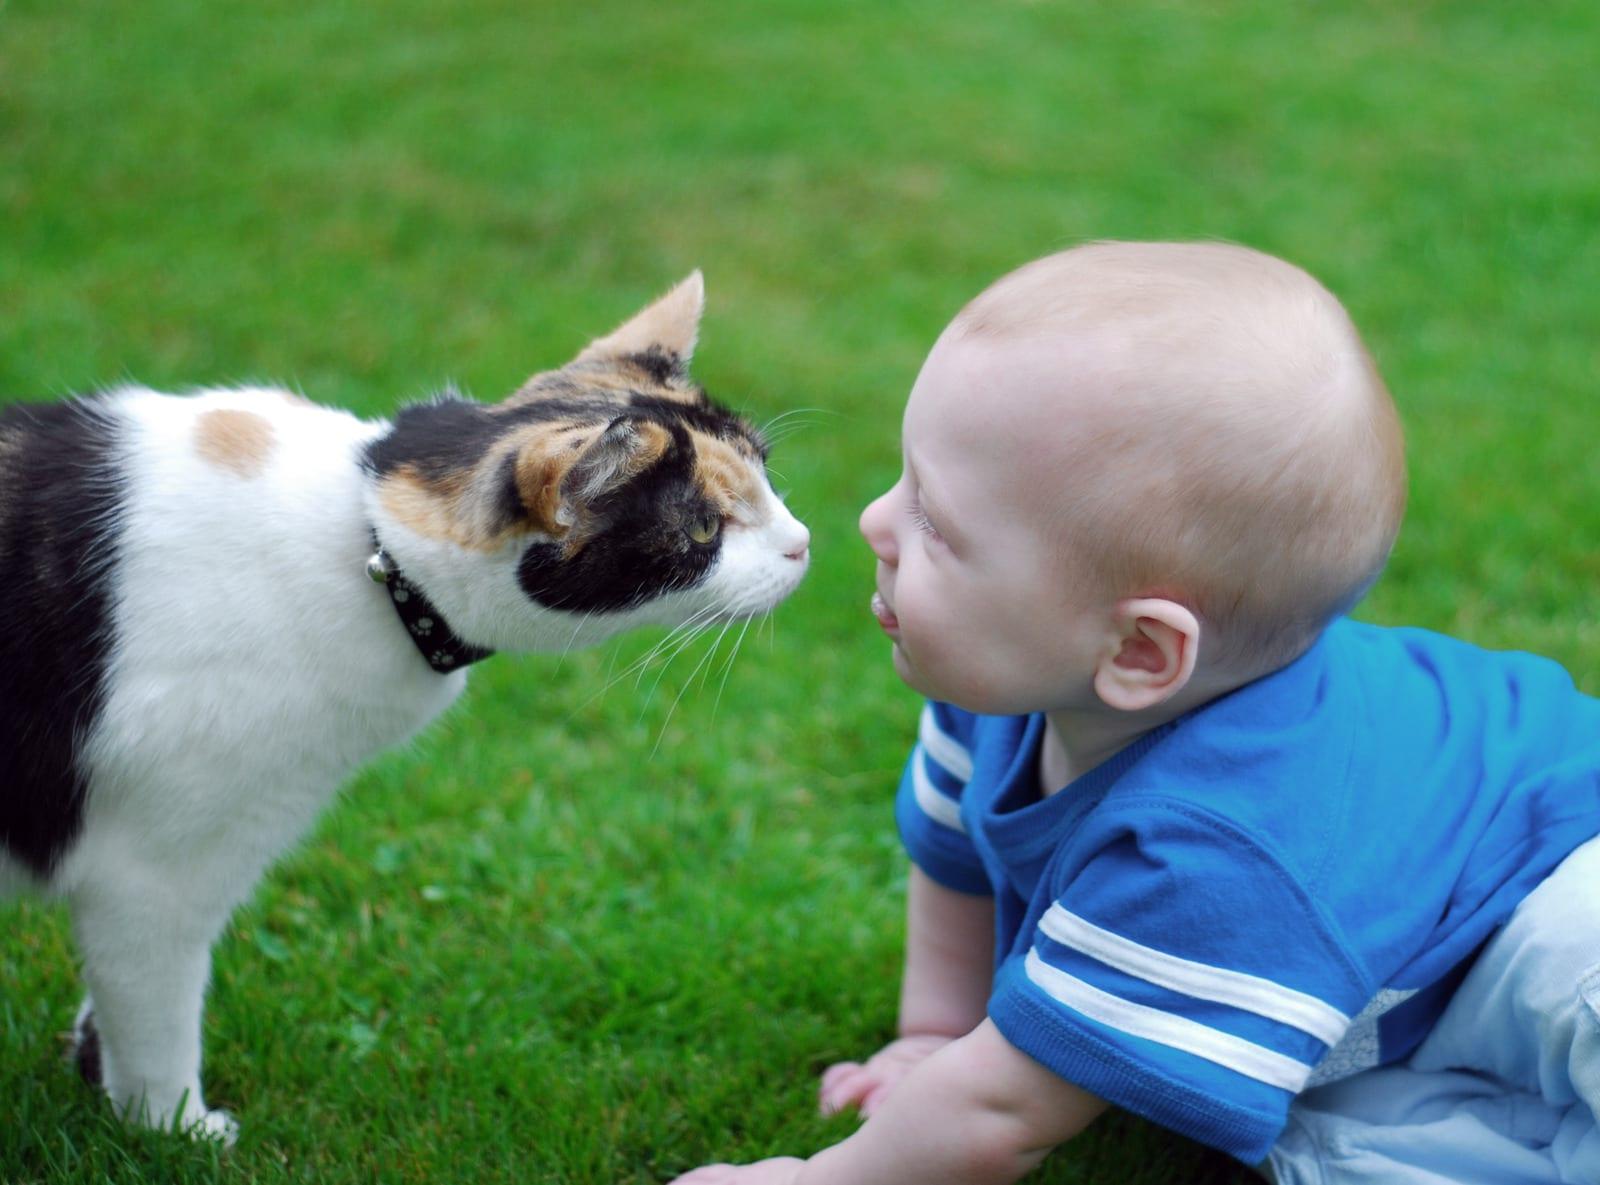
(1196,421)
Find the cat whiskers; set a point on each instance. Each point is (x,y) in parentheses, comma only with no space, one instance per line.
(678,640)
(709,666)
(773,437)
(678,637)
(576,630)
(710,651)
(727,667)
(661,674)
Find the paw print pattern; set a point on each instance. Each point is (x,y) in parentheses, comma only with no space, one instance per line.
(434,639)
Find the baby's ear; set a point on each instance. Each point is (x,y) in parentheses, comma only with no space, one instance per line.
(1153,646)
(554,480)
(668,327)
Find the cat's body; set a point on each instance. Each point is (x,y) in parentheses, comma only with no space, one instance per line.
(194,656)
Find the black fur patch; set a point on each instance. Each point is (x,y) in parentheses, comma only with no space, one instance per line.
(508,507)
(439,438)
(86,1051)
(61,494)
(642,550)
(706,417)
(662,367)
(450,435)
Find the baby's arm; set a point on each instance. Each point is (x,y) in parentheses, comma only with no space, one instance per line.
(943,992)
(977,1112)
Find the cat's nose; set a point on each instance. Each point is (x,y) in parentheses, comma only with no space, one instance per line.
(798,545)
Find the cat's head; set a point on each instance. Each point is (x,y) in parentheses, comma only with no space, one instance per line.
(606,494)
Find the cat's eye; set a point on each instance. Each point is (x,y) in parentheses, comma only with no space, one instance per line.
(705,529)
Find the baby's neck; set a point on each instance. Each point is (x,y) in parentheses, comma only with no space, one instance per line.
(1077,741)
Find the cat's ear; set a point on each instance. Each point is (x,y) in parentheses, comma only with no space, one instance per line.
(625,449)
(668,327)
(556,480)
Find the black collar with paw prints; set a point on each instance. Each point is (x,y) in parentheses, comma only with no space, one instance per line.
(429,632)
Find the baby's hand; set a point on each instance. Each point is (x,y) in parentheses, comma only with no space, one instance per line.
(849,1084)
(780,1170)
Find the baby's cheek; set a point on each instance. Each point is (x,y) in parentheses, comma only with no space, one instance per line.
(934,664)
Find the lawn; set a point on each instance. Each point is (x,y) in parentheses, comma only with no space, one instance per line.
(593,928)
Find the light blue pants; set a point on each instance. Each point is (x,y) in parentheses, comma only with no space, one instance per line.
(1505,1090)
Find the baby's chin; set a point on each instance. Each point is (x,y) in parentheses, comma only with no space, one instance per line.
(904,667)
(926,685)
(914,677)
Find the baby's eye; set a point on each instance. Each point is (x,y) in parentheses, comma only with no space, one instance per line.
(920,519)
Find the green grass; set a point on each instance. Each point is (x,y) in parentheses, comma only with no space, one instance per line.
(565,938)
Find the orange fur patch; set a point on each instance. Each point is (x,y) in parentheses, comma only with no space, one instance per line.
(543,459)
(238,441)
(612,380)
(434,509)
(455,507)
(460,506)
(678,395)
(729,478)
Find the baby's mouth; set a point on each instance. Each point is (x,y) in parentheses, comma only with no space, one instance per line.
(884,614)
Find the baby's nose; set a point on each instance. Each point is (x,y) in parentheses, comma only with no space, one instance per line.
(875,530)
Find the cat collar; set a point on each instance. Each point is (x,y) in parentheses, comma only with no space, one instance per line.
(429,632)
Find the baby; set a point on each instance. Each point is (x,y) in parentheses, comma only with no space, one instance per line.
(1185,839)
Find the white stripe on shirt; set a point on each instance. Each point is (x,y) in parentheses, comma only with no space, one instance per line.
(1200,980)
(1175,1032)
(938,807)
(947,752)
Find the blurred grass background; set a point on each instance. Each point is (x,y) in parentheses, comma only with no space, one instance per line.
(566,938)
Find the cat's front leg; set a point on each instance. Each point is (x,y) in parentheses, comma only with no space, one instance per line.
(147,958)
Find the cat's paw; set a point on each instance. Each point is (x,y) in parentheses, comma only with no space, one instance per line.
(215,1125)
(85,1049)
(198,1123)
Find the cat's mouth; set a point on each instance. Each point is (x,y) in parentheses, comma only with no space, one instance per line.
(759,594)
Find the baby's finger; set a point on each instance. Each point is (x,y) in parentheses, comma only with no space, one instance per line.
(846,1090)
(834,1073)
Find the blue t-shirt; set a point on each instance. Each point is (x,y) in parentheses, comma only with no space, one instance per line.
(1278,889)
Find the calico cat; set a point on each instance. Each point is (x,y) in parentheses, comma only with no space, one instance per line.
(217,605)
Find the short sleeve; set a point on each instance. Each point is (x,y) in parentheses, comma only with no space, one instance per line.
(928,804)
(1180,972)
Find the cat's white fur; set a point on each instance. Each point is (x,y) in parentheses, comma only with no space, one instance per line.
(254,667)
